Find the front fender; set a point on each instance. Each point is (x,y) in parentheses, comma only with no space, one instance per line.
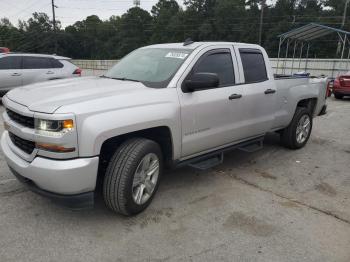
(94,130)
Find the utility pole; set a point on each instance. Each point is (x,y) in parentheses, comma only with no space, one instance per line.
(263,5)
(137,3)
(54,23)
(344,14)
(343,23)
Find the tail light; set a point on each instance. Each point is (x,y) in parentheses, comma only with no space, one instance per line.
(77,71)
(336,83)
(329,89)
(4,50)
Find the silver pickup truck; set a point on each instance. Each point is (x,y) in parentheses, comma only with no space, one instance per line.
(161,106)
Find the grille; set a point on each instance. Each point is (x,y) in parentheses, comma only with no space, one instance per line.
(25,145)
(22,120)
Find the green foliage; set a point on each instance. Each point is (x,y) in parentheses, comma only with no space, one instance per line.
(202,20)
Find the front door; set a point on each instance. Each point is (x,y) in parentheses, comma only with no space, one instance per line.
(210,117)
(10,72)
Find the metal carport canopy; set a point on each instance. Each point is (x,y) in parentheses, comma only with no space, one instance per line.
(311,31)
(304,35)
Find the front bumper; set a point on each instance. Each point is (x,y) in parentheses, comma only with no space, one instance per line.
(57,179)
(77,201)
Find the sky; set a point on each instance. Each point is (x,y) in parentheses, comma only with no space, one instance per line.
(69,11)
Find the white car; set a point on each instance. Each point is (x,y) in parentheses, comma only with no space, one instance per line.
(22,69)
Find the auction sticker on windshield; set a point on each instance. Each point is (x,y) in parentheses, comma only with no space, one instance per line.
(177,55)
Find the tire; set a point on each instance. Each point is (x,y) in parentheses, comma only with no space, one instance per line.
(338,96)
(123,173)
(289,134)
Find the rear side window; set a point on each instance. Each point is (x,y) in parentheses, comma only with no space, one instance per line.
(10,62)
(218,62)
(253,65)
(55,63)
(31,62)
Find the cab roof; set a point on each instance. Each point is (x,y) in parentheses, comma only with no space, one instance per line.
(194,45)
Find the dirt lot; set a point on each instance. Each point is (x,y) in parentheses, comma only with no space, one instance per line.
(272,205)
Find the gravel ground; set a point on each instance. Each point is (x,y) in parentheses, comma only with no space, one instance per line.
(271,205)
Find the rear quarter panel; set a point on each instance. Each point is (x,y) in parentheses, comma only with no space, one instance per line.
(291,91)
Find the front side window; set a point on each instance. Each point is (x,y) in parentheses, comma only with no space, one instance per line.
(31,62)
(10,62)
(217,62)
(154,67)
(253,65)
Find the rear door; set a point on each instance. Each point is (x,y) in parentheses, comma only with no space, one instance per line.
(209,118)
(258,92)
(57,68)
(37,69)
(10,72)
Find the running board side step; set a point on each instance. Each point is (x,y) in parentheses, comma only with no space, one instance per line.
(209,162)
(254,146)
(216,157)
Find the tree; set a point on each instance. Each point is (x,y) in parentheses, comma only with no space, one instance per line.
(38,35)
(135,30)
(10,36)
(165,22)
(222,20)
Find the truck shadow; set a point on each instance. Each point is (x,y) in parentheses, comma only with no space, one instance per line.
(187,179)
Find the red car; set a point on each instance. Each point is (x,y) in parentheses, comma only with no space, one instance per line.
(341,86)
(4,50)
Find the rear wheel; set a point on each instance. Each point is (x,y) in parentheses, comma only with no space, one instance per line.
(132,176)
(298,132)
(337,96)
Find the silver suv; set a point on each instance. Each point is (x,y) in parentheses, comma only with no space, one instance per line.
(23,69)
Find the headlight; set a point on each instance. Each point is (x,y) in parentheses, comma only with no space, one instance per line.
(53,127)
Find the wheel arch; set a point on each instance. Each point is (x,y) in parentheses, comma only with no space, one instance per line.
(160,134)
(309,103)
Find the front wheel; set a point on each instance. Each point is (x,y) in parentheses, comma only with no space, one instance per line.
(298,132)
(132,176)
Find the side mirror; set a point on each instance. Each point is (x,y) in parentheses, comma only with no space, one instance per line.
(201,81)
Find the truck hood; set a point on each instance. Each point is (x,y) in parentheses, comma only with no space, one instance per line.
(47,97)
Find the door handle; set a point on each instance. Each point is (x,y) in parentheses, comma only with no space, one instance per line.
(16,74)
(234,96)
(49,73)
(270,91)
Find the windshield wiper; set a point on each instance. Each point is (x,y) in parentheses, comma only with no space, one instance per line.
(124,79)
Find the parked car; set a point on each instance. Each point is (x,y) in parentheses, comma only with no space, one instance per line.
(161,106)
(330,83)
(341,86)
(23,69)
(4,50)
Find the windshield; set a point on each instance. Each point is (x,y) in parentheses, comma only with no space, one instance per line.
(154,67)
